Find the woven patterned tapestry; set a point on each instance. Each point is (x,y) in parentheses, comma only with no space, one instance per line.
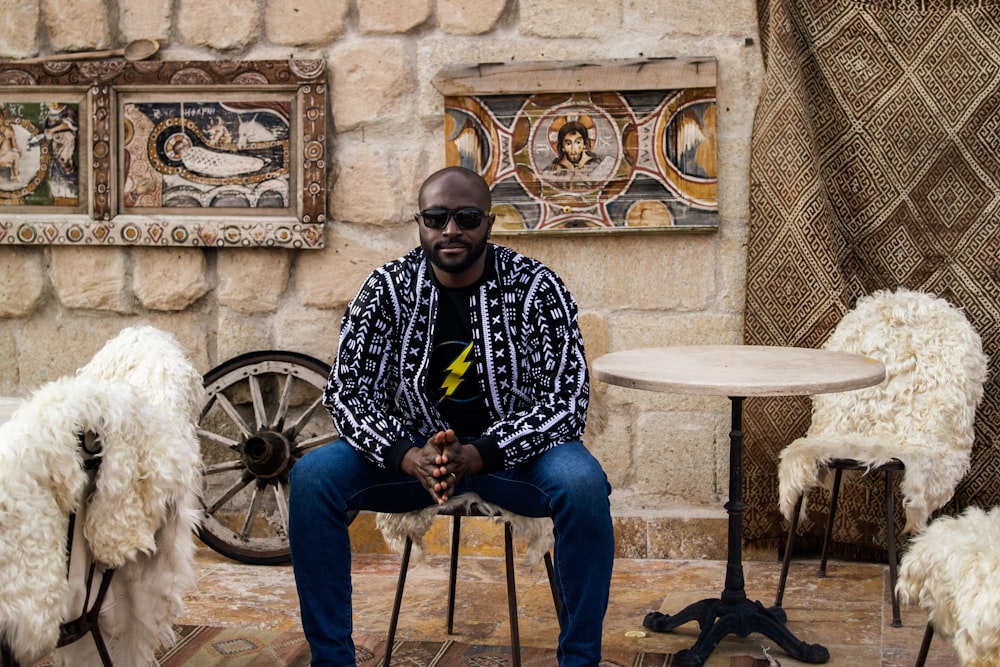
(875,164)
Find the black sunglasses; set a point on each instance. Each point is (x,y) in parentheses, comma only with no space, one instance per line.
(468,217)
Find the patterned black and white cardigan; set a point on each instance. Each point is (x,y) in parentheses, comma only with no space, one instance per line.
(531,361)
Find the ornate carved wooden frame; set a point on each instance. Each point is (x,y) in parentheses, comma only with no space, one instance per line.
(216,153)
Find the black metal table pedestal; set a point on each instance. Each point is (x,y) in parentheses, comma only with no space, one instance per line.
(733,613)
(717,619)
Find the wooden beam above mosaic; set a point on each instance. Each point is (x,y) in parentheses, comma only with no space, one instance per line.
(575,147)
(216,153)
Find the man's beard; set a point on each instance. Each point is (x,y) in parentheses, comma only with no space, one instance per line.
(473,252)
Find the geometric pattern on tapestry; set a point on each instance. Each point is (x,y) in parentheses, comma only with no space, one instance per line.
(875,164)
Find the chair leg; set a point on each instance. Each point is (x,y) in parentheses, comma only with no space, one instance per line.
(397,602)
(789,546)
(925,645)
(515,637)
(456,538)
(828,537)
(890,519)
(551,570)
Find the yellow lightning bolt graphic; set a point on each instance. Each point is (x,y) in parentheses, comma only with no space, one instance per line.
(455,372)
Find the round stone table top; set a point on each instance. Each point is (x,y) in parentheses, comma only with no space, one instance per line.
(739,370)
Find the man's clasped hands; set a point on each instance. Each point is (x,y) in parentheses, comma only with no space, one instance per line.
(441,463)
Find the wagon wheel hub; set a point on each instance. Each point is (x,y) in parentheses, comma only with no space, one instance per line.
(267,454)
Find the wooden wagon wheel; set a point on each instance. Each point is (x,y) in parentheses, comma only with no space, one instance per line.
(262,413)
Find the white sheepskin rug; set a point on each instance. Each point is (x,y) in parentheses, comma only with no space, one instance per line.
(949,570)
(395,528)
(922,414)
(140,398)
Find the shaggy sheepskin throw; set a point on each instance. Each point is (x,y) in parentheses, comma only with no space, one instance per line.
(396,527)
(139,397)
(949,570)
(922,414)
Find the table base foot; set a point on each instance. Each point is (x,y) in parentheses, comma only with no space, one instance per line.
(716,620)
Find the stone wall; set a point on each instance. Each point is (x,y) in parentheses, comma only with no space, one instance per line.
(59,304)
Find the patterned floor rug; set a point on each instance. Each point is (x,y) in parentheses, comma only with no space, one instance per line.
(201,646)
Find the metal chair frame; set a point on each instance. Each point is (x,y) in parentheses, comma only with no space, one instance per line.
(474,510)
(839,466)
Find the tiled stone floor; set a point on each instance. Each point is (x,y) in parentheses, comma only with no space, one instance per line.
(849,611)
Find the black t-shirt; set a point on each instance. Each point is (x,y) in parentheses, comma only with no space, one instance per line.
(452,379)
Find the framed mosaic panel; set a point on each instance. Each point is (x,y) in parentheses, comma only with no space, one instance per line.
(218,153)
(589,147)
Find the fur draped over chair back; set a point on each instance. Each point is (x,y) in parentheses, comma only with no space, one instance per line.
(922,414)
(139,396)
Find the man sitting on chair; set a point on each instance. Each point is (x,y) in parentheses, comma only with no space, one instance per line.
(460,369)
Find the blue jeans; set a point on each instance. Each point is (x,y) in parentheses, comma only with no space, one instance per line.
(565,483)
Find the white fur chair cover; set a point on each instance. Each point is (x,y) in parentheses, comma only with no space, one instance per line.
(395,528)
(140,396)
(950,570)
(922,414)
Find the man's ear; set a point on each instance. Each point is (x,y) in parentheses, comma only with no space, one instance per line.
(490,219)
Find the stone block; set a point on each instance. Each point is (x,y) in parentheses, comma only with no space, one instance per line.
(76,25)
(19,29)
(252,281)
(168,278)
(631,329)
(10,376)
(145,19)
(691,17)
(593,19)
(48,349)
(91,278)
(469,17)
(594,327)
(225,26)
(310,331)
(611,443)
(674,457)
(605,270)
(689,538)
(305,22)
(631,537)
(368,83)
(22,280)
(368,188)
(732,267)
(405,15)
(329,278)
(238,332)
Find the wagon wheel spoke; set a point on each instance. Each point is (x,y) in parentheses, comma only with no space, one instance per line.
(284,401)
(234,415)
(218,468)
(259,412)
(281,502)
(306,416)
(303,446)
(252,512)
(218,439)
(229,493)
